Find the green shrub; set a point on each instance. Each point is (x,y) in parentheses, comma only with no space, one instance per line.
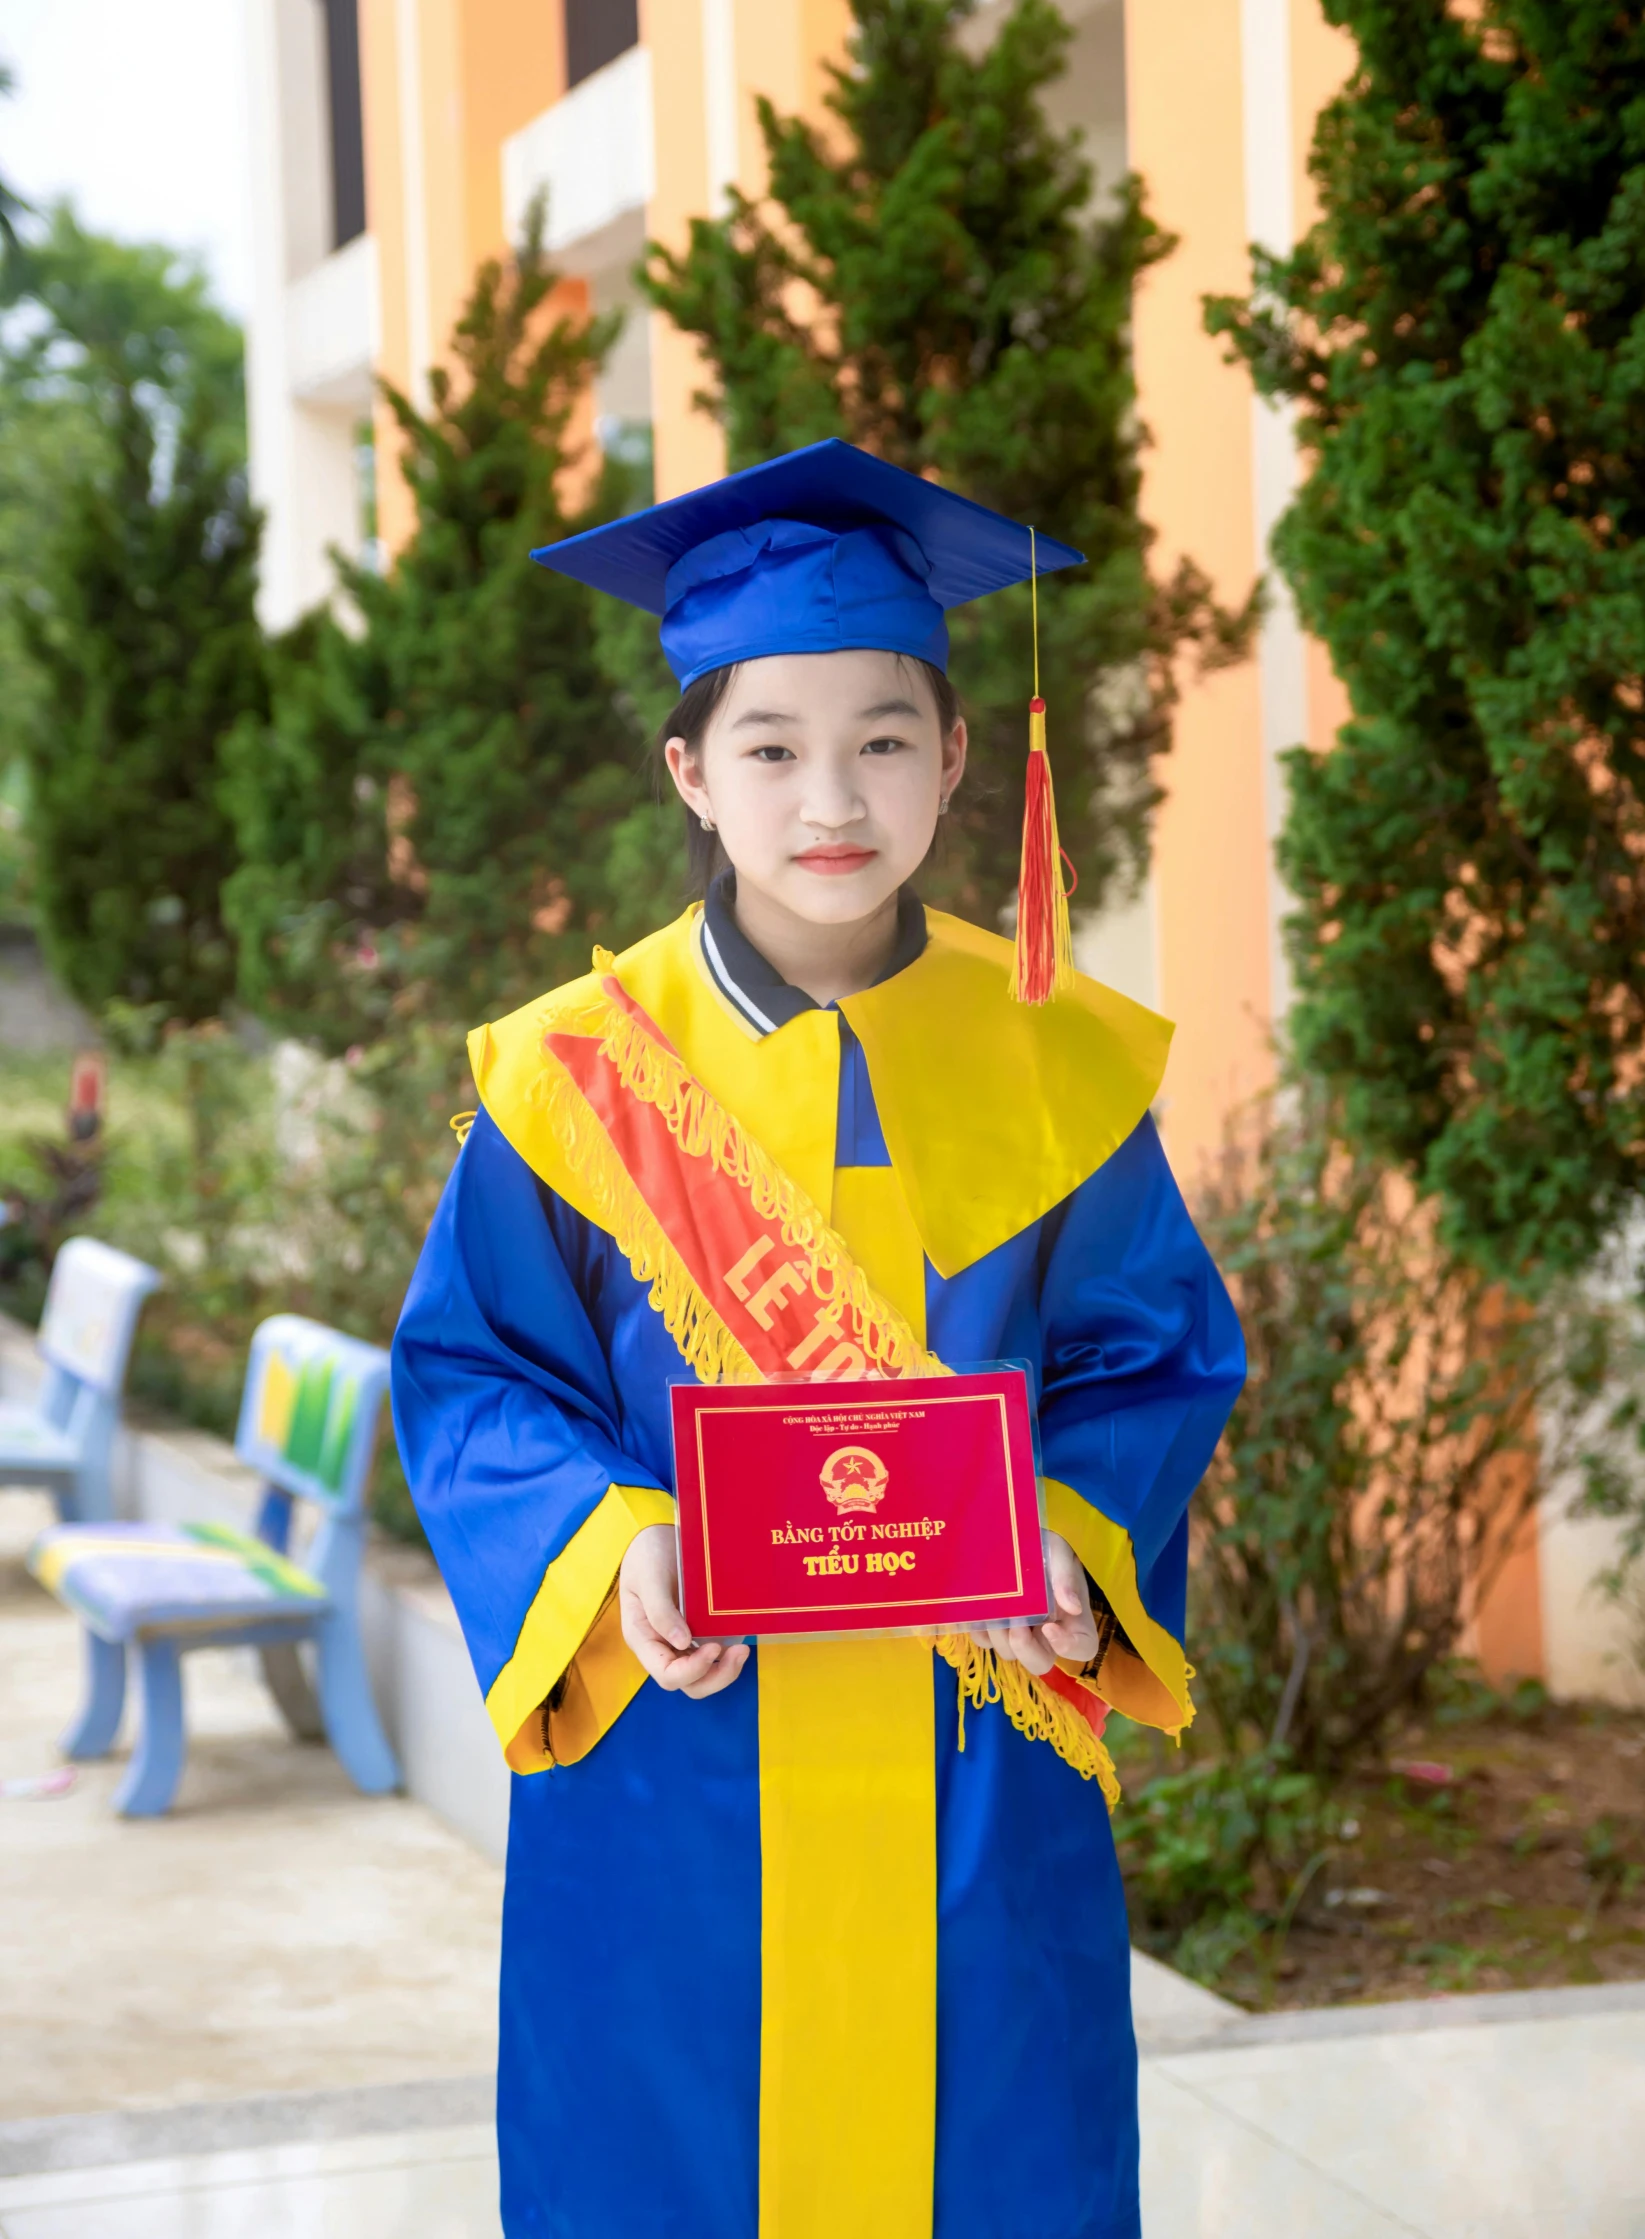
(1400,1419)
(1199,1841)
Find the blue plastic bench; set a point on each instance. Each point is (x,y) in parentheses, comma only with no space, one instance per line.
(309,1417)
(65,1441)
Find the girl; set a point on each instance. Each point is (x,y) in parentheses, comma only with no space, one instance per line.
(793,1946)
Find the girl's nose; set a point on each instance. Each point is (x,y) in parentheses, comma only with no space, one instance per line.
(831,800)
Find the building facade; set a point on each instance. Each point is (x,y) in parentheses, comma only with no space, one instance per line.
(396,144)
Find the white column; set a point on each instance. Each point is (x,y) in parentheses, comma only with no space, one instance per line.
(311,329)
(414,196)
(720,100)
(269,429)
(1270,220)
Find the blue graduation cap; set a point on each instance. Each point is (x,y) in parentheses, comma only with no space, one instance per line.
(822,551)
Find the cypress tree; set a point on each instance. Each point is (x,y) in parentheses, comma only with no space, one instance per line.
(932,278)
(431,816)
(133,616)
(1463,336)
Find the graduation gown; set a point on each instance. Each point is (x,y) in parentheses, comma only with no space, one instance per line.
(788,1961)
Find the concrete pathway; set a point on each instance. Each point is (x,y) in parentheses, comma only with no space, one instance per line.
(438,2184)
(273,1932)
(1515,2117)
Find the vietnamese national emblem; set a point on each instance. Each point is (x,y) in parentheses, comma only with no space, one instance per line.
(853,1478)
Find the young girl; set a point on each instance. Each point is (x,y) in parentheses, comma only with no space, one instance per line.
(795,1944)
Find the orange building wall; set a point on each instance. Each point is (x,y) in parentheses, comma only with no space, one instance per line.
(688,447)
(513,65)
(781,51)
(1185,130)
(487,67)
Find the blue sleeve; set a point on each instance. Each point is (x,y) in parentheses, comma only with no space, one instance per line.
(1143,1360)
(508,1414)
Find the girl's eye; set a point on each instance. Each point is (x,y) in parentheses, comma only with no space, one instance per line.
(884,746)
(773,754)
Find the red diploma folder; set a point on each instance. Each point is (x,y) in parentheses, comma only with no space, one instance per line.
(860,1507)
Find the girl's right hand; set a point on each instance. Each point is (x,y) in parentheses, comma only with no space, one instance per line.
(648,1597)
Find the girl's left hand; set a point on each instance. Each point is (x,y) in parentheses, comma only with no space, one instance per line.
(1071,1632)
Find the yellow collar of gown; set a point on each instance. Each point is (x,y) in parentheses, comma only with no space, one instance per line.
(993,1112)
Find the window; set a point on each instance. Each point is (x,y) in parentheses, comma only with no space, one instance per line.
(348,145)
(596,32)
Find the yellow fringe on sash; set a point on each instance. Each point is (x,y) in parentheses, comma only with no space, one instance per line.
(1036,1711)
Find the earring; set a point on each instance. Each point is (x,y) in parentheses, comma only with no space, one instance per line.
(942,806)
(707,823)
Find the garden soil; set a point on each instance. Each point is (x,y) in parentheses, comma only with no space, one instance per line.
(1508,1855)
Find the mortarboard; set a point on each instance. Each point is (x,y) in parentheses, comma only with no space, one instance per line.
(830,550)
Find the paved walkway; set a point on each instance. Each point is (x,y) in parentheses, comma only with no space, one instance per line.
(274,1932)
(172,1992)
(1515,2117)
(1476,2118)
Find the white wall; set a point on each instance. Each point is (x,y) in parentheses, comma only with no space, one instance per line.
(312,333)
(1593,1644)
(592,152)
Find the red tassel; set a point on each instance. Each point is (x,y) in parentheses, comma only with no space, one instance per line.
(1044,961)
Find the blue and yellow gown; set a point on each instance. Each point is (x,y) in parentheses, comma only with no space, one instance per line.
(789,1961)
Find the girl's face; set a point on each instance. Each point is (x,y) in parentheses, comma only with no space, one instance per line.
(825,774)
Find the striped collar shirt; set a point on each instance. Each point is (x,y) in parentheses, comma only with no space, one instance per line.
(756,990)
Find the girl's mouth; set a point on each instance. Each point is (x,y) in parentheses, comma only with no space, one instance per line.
(835,862)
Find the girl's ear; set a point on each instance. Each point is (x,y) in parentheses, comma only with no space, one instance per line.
(953,759)
(685,769)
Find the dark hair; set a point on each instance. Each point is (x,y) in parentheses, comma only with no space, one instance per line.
(690,717)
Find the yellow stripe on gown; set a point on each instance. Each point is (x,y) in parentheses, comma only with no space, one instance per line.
(848,2033)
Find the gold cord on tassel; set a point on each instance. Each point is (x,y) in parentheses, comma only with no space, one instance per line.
(1034,602)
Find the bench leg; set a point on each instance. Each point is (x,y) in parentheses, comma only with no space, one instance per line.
(98,1719)
(352,1725)
(90,1500)
(287,1682)
(157,1765)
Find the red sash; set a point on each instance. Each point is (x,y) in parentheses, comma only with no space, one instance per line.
(749,1277)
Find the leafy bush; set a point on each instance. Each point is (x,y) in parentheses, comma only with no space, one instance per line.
(1387,1448)
(1204,1840)
(1400,1419)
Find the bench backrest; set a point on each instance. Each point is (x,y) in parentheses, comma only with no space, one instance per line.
(310,1410)
(92,1304)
